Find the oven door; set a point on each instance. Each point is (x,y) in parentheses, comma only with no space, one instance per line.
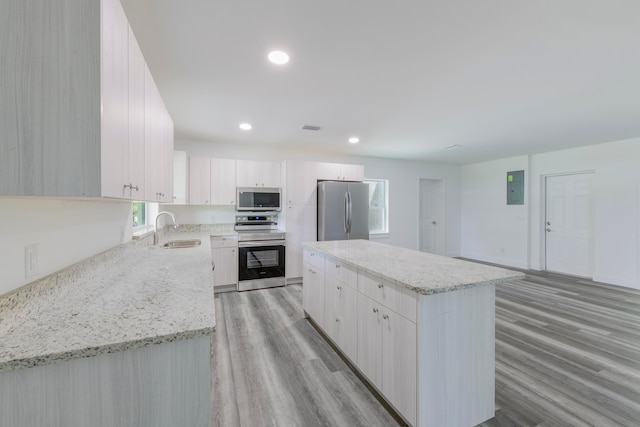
(261,260)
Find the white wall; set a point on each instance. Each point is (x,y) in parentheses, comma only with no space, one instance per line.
(65,231)
(493,231)
(616,167)
(403,176)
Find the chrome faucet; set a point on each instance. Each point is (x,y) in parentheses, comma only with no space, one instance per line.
(155,229)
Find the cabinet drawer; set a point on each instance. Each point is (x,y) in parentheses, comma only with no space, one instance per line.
(224,242)
(343,273)
(401,300)
(314,258)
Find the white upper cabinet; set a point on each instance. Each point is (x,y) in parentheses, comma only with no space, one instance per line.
(136,176)
(199,180)
(180,177)
(212,181)
(115,99)
(223,182)
(340,172)
(77,125)
(250,173)
(158,140)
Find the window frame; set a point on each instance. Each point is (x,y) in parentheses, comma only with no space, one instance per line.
(385,231)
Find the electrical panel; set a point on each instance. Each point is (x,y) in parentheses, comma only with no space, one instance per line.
(515,188)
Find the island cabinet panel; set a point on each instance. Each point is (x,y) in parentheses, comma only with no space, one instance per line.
(161,385)
(369,359)
(387,354)
(399,368)
(341,305)
(457,375)
(398,299)
(313,287)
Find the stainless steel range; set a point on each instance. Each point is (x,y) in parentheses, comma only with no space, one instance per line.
(261,249)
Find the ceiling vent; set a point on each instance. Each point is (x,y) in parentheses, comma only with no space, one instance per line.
(310,127)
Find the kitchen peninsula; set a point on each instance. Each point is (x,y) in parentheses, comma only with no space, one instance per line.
(420,327)
(122,338)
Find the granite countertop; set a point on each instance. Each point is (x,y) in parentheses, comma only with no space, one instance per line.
(128,297)
(421,272)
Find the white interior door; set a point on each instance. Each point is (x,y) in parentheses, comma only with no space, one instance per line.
(431,220)
(569,224)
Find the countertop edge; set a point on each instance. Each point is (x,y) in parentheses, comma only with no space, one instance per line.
(418,290)
(51,358)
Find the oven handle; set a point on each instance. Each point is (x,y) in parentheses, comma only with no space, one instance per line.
(261,243)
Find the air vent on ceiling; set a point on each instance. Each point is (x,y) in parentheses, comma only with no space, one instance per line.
(310,127)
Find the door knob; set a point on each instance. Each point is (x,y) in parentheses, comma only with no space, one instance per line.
(548,223)
(548,230)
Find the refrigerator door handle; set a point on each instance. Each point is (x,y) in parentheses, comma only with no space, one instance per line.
(346,212)
(350,211)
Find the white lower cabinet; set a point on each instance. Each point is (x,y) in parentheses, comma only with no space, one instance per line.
(313,293)
(372,323)
(370,339)
(399,379)
(387,354)
(224,253)
(341,304)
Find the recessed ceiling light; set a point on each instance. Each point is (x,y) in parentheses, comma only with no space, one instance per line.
(452,147)
(245,126)
(354,140)
(278,57)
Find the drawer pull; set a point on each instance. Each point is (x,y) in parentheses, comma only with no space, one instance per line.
(385,316)
(339,287)
(375,310)
(380,286)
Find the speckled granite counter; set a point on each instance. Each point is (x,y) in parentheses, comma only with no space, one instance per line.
(421,272)
(127,297)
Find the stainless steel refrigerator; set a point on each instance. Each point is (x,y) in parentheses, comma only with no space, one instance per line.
(343,210)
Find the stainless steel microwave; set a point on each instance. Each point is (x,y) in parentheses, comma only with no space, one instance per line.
(258,199)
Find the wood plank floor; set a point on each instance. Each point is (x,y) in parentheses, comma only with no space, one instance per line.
(567,353)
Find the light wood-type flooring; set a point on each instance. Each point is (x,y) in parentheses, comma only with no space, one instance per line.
(567,353)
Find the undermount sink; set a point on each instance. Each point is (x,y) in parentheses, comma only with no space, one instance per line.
(174,244)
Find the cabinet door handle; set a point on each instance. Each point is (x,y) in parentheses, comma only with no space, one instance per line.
(380,286)
(339,287)
(213,264)
(337,320)
(385,316)
(375,310)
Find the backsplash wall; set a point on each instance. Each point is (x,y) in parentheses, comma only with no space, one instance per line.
(66,231)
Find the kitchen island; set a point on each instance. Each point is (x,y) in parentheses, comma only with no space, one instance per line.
(122,338)
(419,327)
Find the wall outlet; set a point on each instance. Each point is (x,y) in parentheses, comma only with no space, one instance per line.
(30,260)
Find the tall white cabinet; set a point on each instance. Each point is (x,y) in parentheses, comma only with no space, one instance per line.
(77,125)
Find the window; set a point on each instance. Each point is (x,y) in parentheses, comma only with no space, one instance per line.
(139,214)
(378,205)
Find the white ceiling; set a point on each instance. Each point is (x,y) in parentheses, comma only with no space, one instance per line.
(499,77)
